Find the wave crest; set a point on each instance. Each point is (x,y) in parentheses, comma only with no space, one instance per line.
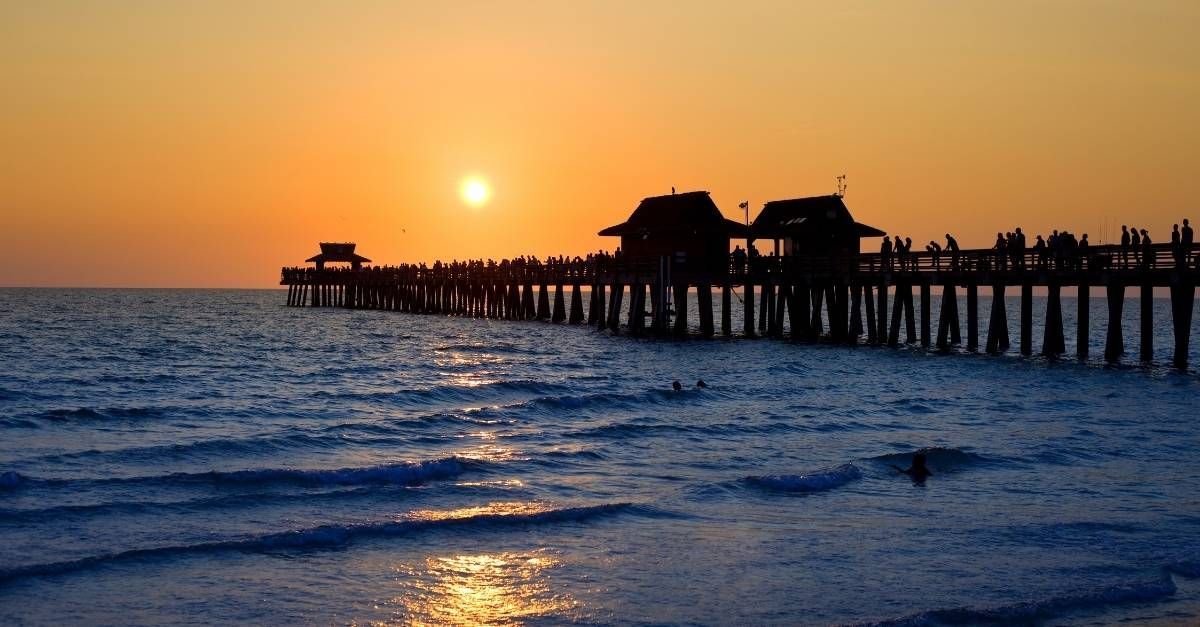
(817,481)
(333,536)
(1029,611)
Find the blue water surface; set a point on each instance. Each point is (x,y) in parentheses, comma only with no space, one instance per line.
(214,456)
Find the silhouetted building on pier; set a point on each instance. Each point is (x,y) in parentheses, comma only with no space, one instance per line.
(338,253)
(687,227)
(819,226)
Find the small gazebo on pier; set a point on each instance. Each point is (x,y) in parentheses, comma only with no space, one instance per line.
(687,227)
(338,253)
(817,226)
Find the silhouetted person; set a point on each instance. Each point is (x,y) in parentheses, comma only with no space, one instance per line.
(1125,241)
(918,470)
(1185,240)
(1177,247)
(1147,251)
(701,384)
(935,250)
(952,248)
(1135,243)
(677,386)
(885,253)
(1000,246)
(1084,250)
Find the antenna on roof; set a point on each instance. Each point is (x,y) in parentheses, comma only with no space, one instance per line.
(841,192)
(745,206)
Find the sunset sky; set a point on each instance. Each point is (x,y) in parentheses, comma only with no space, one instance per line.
(207,144)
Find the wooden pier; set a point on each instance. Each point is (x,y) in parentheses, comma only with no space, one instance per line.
(852,292)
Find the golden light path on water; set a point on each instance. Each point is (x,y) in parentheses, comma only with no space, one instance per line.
(479,589)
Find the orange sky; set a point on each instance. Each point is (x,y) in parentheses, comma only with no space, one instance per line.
(208,143)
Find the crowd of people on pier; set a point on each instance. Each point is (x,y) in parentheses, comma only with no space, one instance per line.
(1061,250)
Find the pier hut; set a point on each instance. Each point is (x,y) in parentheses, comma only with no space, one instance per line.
(332,252)
(817,226)
(688,228)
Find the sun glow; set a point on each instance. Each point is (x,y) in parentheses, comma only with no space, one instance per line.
(475,191)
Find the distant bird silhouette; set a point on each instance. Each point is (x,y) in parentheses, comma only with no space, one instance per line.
(672,189)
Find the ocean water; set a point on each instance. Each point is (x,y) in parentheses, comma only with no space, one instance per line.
(214,456)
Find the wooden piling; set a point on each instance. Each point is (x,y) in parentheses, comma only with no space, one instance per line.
(704,303)
(576,316)
(1183,298)
(1114,344)
(1027,319)
(681,324)
(614,306)
(910,318)
(1147,320)
(726,309)
(881,312)
(856,324)
(637,308)
(972,317)
(997,337)
(560,306)
(1052,333)
(872,326)
(925,315)
(748,308)
(1083,314)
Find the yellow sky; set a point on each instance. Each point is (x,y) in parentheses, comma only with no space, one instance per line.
(209,143)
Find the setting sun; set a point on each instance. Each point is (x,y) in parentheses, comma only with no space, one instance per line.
(475,191)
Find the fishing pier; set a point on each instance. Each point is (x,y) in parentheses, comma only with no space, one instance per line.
(816,287)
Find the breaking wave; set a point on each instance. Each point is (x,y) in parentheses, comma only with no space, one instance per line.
(817,481)
(1029,611)
(331,536)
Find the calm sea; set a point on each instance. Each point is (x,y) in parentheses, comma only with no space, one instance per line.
(216,457)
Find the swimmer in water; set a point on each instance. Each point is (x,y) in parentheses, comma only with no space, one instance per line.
(701,384)
(677,386)
(918,470)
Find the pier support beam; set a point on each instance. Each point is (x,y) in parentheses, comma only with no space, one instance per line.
(637,308)
(948,322)
(614,306)
(872,326)
(781,297)
(748,308)
(910,317)
(704,303)
(726,309)
(972,317)
(856,323)
(1183,298)
(881,312)
(1083,323)
(1114,343)
(1027,319)
(925,315)
(560,306)
(798,310)
(815,325)
(543,302)
(997,338)
(576,316)
(601,310)
(1053,343)
(681,324)
(1147,320)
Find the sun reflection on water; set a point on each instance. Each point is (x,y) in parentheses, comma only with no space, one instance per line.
(482,589)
